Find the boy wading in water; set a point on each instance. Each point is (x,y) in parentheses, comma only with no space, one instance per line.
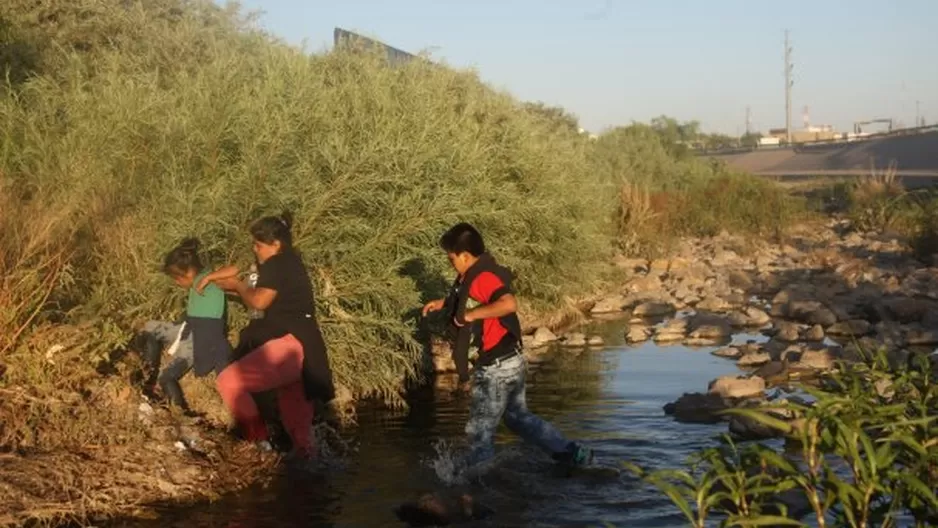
(200,341)
(498,380)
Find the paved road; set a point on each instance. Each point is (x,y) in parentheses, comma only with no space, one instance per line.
(909,179)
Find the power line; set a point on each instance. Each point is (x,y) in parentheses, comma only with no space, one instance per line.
(788,84)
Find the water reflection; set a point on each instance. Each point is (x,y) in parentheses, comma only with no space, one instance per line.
(612,398)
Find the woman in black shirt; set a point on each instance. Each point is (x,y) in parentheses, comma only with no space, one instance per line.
(284,350)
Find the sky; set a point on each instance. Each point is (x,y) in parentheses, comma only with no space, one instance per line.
(612,62)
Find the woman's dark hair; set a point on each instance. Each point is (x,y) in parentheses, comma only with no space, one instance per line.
(274,228)
(183,257)
(463,238)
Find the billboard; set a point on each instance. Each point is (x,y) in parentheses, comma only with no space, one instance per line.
(344,38)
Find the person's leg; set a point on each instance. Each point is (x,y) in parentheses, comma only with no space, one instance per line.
(274,364)
(296,413)
(169,381)
(532,428)
(156,335)
(487,404)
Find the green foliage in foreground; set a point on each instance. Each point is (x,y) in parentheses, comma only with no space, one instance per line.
(864,454)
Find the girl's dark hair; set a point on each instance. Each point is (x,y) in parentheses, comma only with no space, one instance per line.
(275,228)
(183,257)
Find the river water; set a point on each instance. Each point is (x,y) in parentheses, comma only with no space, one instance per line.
(611,398)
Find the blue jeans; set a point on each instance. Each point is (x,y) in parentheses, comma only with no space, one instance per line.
(498,392)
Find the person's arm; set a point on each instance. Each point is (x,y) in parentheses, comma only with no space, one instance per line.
(433,306)
(496,297)
(255,298)
(225,272)
(505,305)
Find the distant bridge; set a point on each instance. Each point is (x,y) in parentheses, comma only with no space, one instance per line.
(915,157)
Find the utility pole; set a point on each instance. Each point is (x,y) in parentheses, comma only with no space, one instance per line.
(788,84)
(748,121)
(918,114)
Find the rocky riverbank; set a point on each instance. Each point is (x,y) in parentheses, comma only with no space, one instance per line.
(825,297)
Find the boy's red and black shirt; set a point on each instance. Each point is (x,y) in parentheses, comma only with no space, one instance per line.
(484,283)
(488,287)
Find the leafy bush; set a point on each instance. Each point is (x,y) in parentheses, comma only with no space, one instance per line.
(166,119)
(877,201)
(864,454)
(663,196)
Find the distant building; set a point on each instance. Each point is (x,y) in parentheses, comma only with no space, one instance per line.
(803,135)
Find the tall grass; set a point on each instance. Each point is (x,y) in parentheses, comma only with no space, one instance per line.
(211,124)
(129,125)
(663,197)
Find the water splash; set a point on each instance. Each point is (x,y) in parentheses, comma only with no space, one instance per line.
(447,463)
(332,451)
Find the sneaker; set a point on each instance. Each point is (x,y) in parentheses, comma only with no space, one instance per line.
(575,455)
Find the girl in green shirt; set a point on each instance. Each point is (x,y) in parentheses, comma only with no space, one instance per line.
(199,342)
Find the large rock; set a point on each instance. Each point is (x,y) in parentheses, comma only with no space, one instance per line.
(713,304)
(736,299)
(746,428)
(737,387)
(649,283)
(441,509)
(723,259)
(697,408)
(542,337)
(672,331)
(754,359)
(596,341)
(814,334)
(653,309)
(822,316)
(659,267)
(851,328)
(756,316)
(630,264)
(806,311)
(773,372)
(610,304)
(728,353)
(706,341)
(740,279)
(574,340)
(787,332)
(708,326)
(918,337)
(800,310)
(907,310)
(738,320)
(637,334)
(821,359)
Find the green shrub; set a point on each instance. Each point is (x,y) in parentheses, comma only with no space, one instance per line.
(663,197)
(865,454)
(184,122)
